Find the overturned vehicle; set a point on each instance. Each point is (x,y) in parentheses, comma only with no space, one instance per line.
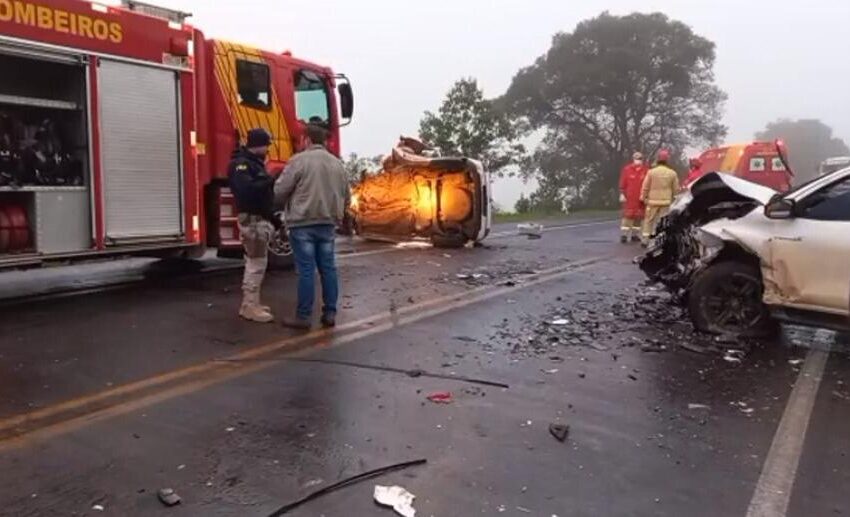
(419,195)
(742,256)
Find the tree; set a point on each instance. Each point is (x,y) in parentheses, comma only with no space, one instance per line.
(356,165)
(809,142)
(615,85)
(522,205)
(469,125)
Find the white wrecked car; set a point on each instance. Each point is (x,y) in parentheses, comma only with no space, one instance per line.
(743,256)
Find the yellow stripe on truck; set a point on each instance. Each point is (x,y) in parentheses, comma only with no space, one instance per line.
(245,117)
(732,158)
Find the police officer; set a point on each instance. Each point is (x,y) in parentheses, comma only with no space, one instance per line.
(252,187)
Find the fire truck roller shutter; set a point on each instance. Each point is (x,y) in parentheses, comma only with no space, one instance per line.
(140,141)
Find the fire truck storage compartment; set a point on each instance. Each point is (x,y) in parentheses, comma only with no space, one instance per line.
(45,201)
(140,139)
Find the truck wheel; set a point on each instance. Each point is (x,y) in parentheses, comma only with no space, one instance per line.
(280,262)
(448,241)
(280,251)
(726,298)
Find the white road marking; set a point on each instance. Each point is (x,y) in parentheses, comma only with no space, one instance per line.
(499,235)
(773,490)
(513,233)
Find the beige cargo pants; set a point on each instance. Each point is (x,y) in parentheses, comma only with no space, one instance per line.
(653,216)
(255,233)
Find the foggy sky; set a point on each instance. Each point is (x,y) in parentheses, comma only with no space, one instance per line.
(777,58)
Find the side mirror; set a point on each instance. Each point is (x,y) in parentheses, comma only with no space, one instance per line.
(346,100)
(780,208)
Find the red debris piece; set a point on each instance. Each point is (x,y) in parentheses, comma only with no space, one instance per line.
(441,397)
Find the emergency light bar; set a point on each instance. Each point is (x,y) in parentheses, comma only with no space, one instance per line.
(156,11)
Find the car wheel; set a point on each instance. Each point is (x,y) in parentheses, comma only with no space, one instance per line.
(448,241)
(726,298)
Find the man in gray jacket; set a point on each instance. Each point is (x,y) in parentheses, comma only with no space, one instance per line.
(313,191)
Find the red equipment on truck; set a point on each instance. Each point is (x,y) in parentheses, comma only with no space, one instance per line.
(117,124)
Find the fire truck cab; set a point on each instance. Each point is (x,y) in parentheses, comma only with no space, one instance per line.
(759,162)
(117,125)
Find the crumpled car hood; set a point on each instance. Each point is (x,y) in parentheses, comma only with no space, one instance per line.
(716,187)
(713,203)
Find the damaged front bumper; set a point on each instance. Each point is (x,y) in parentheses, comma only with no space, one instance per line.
(682,247)
(677,254)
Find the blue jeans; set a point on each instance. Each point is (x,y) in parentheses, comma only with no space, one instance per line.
(313,247)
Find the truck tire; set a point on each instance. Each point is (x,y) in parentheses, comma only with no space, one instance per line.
(726,298)
(280,262)
(448,241)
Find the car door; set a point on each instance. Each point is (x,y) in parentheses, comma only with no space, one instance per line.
(810,254)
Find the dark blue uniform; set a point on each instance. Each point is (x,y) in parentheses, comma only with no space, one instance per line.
(251,184)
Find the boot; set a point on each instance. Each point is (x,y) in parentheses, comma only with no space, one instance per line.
(297,323)
(256,314)
(251,309)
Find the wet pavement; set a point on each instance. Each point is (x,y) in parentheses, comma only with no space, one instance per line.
(158,385)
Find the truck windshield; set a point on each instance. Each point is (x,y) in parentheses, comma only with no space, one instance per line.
(311,98)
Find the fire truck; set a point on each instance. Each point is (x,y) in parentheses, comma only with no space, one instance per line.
(765,163)
(117,124)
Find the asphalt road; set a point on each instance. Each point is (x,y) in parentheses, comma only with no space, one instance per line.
(110,396)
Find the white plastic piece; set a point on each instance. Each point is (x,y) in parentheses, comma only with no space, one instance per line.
(530,229)
(397,498)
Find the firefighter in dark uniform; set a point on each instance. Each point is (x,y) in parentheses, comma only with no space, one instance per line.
(253,190)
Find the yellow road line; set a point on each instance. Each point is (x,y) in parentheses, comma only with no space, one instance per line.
(63,417)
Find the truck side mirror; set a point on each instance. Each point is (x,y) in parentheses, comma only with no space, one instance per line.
(346,100)
(780,208)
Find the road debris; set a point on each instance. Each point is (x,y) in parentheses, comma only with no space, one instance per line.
(441,397)
(396,497)
(559,431)
(409,373)
(734,356)
(795,362)
(168,497)
(550,372)
(531,230)
(698,406)
(560,322)
(344,483)
(414,245)
(98,507)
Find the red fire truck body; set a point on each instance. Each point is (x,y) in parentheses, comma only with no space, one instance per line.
(118,124)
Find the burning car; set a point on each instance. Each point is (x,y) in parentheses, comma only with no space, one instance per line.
(420,195)
(743,256)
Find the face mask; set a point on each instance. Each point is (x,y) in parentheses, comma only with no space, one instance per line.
(638,162)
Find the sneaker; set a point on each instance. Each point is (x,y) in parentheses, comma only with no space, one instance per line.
(623,239)
(297,324)
(635,238)
(329,321)
(256,314)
